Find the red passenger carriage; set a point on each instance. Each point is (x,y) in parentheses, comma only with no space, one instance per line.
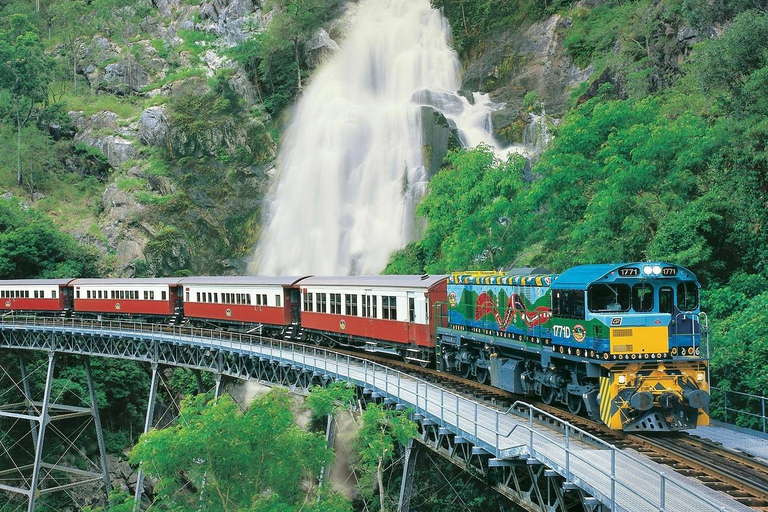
(39,295)
(133,297)
(268,303)
(389,314)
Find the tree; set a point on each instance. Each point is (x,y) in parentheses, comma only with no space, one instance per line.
(72,20)
(218,458)
(381,430)
(25,74)
(294,22)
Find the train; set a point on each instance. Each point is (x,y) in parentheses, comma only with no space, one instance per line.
(624,344)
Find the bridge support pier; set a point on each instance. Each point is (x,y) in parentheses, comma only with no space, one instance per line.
(147,426)
(45,477)
(409,465)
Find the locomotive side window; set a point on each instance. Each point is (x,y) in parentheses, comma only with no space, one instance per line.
(568,303)
(609,298)
(642,297)
(687,296)
(666,300)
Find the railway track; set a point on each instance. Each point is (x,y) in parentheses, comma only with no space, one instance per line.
(738,474)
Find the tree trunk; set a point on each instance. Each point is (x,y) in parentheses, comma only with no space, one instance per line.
(380,481)
(298,64)
(74,67)
(18,146)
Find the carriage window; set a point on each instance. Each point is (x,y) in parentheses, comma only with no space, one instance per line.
(375,314)
(37,294)
(389,307)
(666,300)
(687,296)
(568,303)
(350,304)
(307,301)
(163,295)
(146,295)
(642,297)
(320,302)
(411,309)
(608,298)
(277,300)
(264,298)
(248,298)
(335,303)
(77,294)
(53,294)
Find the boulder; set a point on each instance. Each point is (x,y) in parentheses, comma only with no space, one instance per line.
(153,126)
(320,48)
(125,77)
(439,135)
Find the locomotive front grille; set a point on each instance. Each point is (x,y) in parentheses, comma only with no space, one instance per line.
(621,333)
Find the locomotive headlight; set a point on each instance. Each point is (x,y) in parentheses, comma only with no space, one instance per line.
(647,270)
(656,270)
(700,376)
(622,379)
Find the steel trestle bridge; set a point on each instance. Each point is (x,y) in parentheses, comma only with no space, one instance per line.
(540,462)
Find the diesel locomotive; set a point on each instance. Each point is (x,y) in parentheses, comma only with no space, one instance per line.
(624,344)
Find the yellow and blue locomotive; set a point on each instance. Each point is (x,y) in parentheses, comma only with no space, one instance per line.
(621,342)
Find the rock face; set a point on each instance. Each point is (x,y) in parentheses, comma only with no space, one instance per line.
(232,20)
(153,126)
(94,132)
(439,136)
(516,62)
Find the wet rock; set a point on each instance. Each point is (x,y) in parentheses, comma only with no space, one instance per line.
(320,48)
(439,136)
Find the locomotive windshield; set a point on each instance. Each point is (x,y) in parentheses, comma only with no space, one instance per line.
(642,297)
(609,298)
(687,296)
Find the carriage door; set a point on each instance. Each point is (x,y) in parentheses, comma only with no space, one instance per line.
(292,298)
(411,318)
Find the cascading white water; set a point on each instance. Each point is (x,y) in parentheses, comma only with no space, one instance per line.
(350,170)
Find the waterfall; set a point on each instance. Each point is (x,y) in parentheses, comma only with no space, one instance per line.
(350,170)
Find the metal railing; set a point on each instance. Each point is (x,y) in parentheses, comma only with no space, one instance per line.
(740,409)
(575,454)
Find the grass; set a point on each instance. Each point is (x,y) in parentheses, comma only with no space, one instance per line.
(172,77)
(91,104)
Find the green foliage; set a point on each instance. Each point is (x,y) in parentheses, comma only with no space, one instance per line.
(31,247)
(119,501)
(473,20)
(219,458)
(381,431)
(323,401)
(471,221)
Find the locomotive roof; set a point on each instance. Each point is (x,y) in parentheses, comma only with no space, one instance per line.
(127,281)
(242,280)
(33,282)
(386,281)
(527,279)
(584,275)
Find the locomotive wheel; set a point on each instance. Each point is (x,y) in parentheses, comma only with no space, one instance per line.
(317,340)
(574,403)
(466,370)
(547,394)
(483,375)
